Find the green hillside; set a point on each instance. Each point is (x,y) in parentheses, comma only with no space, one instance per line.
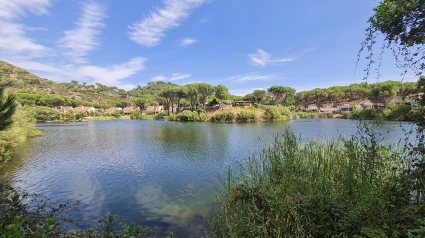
(33,90)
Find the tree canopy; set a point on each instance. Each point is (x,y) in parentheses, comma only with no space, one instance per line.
(402,25)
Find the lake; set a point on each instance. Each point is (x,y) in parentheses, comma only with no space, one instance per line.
(155,173)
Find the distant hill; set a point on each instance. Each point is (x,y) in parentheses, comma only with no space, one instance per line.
(33,89)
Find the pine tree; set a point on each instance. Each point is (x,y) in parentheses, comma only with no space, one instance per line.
(7,108)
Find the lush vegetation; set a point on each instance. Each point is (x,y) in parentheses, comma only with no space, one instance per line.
(353,187)
(15,125)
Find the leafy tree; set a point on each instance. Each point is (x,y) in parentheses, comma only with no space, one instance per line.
(169,95)
(222,93)
(143,102)
(384,92)
(402,25)
(192,95)
(204,90)
(7,109)
(181,92)
(259,95)
(282,94)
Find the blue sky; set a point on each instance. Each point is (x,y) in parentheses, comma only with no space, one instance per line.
(242,44)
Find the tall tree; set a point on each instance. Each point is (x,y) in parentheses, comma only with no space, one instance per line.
(259,95)
(384,92)
(204,90)
(282,94)
(192,95)
(222,93)
(7,109)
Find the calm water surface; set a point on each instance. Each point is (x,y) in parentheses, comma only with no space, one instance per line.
(153,172)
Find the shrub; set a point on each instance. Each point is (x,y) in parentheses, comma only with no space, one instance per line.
(136,115)
(223,116)
(160,116)
(172,117)
(245,115)
(42,114)
(272,113)
(185,115)
(199,116)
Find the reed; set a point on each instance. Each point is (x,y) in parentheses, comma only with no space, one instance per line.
(340,188)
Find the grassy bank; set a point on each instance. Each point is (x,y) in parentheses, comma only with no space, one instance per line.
(21,129)
(107,118)
(354,187)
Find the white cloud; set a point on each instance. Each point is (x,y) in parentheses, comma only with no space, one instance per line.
(244,91)
(159,78)
(112,75)
(262,58)
(174,77)
(150,30)
(19,49)
(13,38)
(12,9)
(188,41)
(84,38)
(178,76)
(254,76)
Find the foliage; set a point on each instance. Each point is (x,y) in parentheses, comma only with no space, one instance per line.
(136,115)
(197,115)
(42,114)
(394,112)
(7,109)
(246,115)
(223,116)
(402,25)
(272,113)
(21,129)
(344,188)
(282,95)
(160,116)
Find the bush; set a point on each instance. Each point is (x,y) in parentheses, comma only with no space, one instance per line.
(136,115)
(185,115)
(42,114)
(223,116)
(21,129)
(172,117)
(272,113)
(245,115)
(160,116)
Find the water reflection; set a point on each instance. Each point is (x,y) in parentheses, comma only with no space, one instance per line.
(152,172)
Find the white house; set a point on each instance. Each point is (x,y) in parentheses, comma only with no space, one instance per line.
(343,107)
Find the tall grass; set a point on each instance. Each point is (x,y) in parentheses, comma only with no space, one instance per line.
(340,188)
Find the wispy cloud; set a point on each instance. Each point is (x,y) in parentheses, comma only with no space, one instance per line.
(262,58)
(244,91)
(173,77)
(13,37)
(113,75)
(159,78)
(254,76)
(150,30)
(84,38)
(10,10)
(188,41)
(19,49)
(178,76)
